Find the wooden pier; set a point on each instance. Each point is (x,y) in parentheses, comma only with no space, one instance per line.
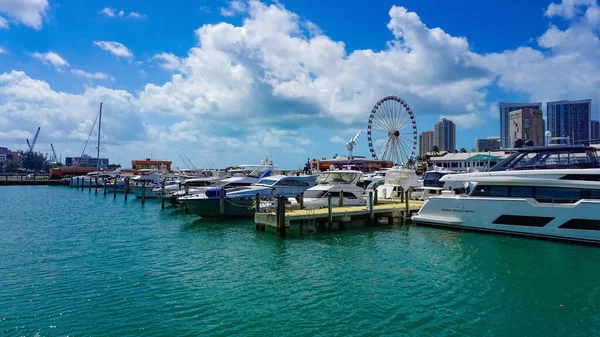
(312,220)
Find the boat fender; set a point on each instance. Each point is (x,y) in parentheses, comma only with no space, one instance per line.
(214,192)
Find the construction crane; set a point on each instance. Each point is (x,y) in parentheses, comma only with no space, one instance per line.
(54,158)
(351,143)
(35,138)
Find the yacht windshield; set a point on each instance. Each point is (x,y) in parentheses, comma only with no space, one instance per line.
(266,182)
(260,172)
(340,177)
(395,177)
(549,158)
(314,194)
(432,179)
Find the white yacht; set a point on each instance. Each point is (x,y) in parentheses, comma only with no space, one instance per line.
(239,201)
(396,180)
(333,183)
(548,192)
(148,181)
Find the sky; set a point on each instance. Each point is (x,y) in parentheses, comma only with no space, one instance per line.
(232,82)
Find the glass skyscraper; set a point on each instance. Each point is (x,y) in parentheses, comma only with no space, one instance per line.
(444,135)
(570,119)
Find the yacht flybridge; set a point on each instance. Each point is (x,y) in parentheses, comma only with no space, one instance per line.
(549,192)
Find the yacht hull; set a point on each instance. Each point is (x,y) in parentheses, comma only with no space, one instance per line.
(579,221)
(207,208)
(149,193)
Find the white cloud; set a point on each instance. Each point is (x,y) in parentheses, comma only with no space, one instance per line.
(51,58)
(115,48)
(337,139)
(2,51)
(136,15)
(234,7)
(92,76)
(466,121)
(111,13)
(170,61)
(205,9)
(567,9)
(15,134)
(27,12)
(3,23)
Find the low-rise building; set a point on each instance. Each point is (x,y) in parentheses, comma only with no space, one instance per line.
(468,161)
(86,161)
(8,155)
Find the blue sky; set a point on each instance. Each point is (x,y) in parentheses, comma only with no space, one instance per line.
(230,82)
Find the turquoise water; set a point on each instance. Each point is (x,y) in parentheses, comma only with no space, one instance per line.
(79,264)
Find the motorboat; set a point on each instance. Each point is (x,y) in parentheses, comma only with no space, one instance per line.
(185,187)
(396,181)
(145,183)
(239,201)
(551,192)
(345,183)
(432,184)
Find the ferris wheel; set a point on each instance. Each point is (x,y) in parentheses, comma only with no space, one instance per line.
(392,131)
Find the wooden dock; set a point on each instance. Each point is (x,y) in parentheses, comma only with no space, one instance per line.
(312,220)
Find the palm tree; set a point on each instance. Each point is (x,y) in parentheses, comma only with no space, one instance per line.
(435,150)
(463,150)
(410,162)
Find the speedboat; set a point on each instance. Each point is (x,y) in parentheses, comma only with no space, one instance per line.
(345,183)
(551,192)
(185,187)
(238,201)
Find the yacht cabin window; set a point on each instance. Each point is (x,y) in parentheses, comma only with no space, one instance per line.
(337,177)
(542,194)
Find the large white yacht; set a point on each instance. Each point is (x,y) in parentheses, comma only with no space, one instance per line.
(549,192)
(348,182)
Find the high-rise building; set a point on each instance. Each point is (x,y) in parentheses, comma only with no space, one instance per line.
(570,119)
(595,132)
(425,142)
(444,135)
(505,109)
(527,124)
(487,144)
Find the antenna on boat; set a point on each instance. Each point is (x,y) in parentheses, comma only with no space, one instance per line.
(98,150)
(351,143)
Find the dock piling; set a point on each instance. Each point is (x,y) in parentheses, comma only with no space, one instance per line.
(341,199)
(143,192)
(126,187)
(70,184)
(281,230)
(76,185)
(96,185)
(222,202)
(105,187)
(375,196)
(162,197)
(302,200)
(371,212)
(90,185)
(329,211)
(406,199)
(401,194)
(115,189)
(257,202)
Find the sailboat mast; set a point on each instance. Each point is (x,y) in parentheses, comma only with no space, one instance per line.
(99,126)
